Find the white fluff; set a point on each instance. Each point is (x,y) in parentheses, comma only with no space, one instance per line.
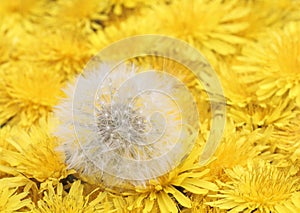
(120,124)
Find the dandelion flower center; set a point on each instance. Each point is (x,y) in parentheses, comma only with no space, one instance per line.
(261,187)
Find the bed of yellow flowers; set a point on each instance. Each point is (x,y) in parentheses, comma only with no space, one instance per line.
(254,47)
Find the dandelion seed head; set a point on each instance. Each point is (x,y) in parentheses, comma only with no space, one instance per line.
(127,123)
(123,122)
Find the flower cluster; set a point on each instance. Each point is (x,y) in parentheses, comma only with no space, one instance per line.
(65,148)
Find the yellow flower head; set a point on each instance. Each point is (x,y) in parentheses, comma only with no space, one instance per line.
(33,154)
(259,186)
(241,145)
(269,14)
(27,93)
(211,26)
(19,16)
(237,94)
(257,114)
(58,201)
(63,52)
(85,15)
(124,29)
(271,65)
(218,38)
(169,192)
(277,121)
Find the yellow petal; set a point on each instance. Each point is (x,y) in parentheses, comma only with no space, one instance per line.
(202,184)
(181,198)
(235,14)
(165,203)
(220,47)
(148,205)
(194,189)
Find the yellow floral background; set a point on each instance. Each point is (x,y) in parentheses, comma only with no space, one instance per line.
(254,46)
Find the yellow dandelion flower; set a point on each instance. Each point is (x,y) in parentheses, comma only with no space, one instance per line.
(19,16)
(166,193)
(211,26)
(220,37)
(123,29)
(247,109)
(27,94)
(12,201)
(10,48)
(64,52)
(241,145)
(269,14)
(85,15)
(271,65)
(34,154)
(74,201)
(278,112)
(258,187)
(236,94)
